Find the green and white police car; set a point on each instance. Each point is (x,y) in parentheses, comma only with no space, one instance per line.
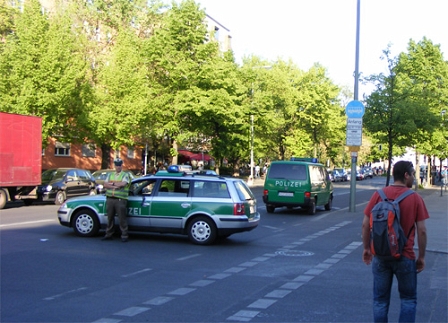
(202,207)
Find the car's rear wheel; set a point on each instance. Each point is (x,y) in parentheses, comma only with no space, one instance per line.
(329,204)
(312,207)
(270,208)
(202,231)
(60,198)
(85,223)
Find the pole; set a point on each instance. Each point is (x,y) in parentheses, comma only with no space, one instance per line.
(354,157)
(252,146)
(146,159)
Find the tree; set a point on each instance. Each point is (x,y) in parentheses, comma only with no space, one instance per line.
(43,73)
(427,74)
(395,115)
(177,58)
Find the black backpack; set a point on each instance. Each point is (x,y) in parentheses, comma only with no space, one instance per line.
(387,238)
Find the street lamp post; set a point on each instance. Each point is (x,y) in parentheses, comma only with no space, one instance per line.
(252,146)
(252,125)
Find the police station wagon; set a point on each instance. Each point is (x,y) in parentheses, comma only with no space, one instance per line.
(298,182)
(201,207)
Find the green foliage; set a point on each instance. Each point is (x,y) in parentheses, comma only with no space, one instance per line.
(43,73)
(136,73)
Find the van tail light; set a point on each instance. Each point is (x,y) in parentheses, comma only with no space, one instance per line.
(238,209)
(265,192)
(307,195)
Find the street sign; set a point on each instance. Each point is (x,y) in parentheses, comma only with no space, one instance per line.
(355,109)
(354,132)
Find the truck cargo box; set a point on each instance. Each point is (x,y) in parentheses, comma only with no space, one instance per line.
(20,150)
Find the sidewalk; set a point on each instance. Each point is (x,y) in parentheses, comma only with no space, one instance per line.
(437,224)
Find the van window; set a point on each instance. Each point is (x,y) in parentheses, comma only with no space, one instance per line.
(288,171)
(316,174)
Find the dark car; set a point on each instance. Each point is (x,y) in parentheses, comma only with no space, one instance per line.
(59,184)
(202,207)
(336,176)
(101,175)
(342,173)
(367,172)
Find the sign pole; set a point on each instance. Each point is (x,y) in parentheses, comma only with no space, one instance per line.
(354,156)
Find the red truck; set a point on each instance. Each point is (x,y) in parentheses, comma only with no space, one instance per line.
(20,157)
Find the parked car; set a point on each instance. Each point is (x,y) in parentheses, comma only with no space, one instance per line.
(336,176)
(201,207)
(359,176)
(101,175)
(59,184)
(342,173)
(367,172)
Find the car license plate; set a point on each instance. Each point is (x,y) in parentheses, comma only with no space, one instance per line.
(287,194)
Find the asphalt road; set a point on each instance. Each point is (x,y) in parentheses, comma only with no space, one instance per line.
(293,268)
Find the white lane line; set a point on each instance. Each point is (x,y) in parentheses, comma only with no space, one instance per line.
(136,273)
(24,223)
(189,257)
(63,294)
(132,311)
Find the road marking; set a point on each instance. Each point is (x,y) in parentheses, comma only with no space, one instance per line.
(24,223)
(137,272)
(132,311)
(189,257)
(63,294)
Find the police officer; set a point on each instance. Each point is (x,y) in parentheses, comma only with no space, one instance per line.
(117,190)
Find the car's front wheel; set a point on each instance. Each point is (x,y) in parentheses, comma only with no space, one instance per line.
(60,198)
(85,223)
(202,230)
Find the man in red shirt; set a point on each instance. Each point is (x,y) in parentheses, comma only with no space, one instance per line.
(413,215)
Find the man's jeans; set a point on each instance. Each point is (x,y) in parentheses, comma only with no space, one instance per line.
(406,272)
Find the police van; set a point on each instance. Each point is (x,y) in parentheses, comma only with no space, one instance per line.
(298,182)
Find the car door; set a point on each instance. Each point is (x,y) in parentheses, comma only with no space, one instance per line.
(171,203)
(139,204)
(71,184)
(84,181)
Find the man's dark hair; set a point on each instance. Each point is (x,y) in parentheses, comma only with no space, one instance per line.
(401,168)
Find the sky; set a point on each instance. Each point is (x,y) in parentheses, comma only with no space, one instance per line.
(324,31)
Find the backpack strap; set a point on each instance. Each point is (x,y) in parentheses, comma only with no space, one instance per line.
(404,195)
(382,195)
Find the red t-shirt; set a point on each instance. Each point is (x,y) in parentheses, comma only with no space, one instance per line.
(412,210)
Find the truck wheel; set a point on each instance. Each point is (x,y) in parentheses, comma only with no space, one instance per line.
(85,223)
(270,208)
(60,198)
(312,207)
(2,198)
(329,204)
(201,230)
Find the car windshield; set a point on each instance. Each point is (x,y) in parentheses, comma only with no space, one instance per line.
(289,171)
(53,174)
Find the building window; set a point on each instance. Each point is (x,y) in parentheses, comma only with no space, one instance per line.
(62,149)
(88,150)
(130,152)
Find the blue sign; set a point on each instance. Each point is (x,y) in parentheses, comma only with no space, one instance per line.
(354,109)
